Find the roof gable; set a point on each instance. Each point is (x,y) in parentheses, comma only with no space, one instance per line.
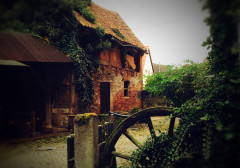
(110,19)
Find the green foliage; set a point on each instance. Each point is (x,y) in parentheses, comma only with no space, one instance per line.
(208,134)
(88,15)
(54,20)
(100,31)
(103,44)
(178,84)
(81,6)
(115,30)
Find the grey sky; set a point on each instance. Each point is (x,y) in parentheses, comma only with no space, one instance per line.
(173,29)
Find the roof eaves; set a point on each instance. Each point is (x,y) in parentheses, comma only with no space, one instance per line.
(125,44)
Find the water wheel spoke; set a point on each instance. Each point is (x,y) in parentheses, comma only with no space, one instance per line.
(123,156)
(141,117)
(132,139)
(150,126)
(171,126)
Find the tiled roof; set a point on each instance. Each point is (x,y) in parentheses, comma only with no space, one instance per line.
(23,47)
(110,19)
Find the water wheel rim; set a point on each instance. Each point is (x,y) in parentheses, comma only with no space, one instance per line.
(128,122)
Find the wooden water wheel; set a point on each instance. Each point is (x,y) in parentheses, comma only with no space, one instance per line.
(144,116)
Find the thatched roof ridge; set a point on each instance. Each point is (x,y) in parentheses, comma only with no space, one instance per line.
(110,19)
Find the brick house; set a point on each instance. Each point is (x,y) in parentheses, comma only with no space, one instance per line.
(117,88)
(42,86)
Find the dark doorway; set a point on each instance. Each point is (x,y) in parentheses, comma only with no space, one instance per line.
(105,97)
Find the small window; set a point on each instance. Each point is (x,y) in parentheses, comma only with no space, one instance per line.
(126,86)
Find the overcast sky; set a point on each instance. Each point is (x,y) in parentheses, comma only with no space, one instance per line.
(173,29)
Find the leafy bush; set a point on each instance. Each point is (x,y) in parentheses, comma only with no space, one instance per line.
(178,84)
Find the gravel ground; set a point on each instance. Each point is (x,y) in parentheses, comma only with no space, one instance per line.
(52,152)
(43,153)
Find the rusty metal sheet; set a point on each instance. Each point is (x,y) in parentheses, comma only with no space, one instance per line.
(23,47)
(11,63)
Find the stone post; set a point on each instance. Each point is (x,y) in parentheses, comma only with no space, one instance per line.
(85,140)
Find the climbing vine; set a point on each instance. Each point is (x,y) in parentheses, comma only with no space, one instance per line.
(54,22)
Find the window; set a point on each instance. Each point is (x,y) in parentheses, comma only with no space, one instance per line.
(126,87)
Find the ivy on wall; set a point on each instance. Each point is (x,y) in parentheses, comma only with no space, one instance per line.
(53,22)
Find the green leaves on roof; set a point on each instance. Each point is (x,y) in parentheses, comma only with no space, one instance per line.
(88,15)
(115,30)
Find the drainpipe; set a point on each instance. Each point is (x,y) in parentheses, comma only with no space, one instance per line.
(150,59)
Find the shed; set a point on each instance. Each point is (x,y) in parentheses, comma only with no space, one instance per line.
(30,73)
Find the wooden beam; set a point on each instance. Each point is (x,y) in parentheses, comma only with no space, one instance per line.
(131,138)
(150,59)
(150,126)
(123,156)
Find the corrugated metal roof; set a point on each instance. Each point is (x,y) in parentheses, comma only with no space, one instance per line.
(11,63)
(23,47)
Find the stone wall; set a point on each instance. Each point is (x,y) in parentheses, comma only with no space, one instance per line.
(153,100)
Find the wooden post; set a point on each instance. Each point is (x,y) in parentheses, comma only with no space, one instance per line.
(48,114)
(33,120)
(151,60)
(48,105)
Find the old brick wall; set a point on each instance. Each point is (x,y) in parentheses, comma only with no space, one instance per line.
(62,106)
(111,70)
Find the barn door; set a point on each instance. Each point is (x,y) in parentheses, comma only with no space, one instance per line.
(105,97)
